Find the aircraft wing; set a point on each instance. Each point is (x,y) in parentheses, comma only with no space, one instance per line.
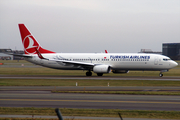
(82,64)
(66,62)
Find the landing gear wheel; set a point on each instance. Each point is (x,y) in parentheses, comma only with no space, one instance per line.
(88,73)
(160,75)
(99,74)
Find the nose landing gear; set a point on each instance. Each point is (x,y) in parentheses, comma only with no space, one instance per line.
(160,74)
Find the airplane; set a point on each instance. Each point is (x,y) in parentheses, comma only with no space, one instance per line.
(99,63)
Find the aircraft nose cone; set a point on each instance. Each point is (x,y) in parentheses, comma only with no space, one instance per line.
(174,64)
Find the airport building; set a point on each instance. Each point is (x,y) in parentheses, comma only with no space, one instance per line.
(4,56)
(171,50)
(18,52)
(150,51)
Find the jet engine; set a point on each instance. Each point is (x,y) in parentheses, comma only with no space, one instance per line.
(101,69)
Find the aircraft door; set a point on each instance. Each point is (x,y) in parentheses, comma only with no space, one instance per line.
(156,61)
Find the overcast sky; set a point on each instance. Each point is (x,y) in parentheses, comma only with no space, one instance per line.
(91,25)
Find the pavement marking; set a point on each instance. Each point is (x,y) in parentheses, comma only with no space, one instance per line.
(150,102)
(53,94)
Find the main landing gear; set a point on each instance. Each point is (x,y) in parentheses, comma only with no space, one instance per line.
(99,74)
(89,73)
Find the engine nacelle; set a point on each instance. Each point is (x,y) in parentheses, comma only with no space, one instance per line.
(120,71)
(101,69)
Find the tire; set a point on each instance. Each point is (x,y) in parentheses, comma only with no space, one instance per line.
(99,74)
(88,73)
(160,75)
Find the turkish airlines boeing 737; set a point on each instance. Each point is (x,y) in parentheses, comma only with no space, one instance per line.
(99,63)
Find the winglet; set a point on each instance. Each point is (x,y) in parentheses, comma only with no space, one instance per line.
(39,54)
(106,51)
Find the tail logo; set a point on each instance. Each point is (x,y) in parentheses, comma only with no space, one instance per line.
(29,44)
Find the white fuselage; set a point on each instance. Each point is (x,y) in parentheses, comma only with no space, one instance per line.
(116,61)
(99,63)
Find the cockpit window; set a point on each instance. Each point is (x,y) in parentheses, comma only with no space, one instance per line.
(165,59)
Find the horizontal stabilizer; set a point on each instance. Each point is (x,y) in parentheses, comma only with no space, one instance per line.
(19,55)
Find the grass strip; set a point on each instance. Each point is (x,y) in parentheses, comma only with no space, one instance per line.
(123,92)
(14,61)
(92,112)
(71,82)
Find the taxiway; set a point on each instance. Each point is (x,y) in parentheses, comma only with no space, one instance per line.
(88,78)
(94,101)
